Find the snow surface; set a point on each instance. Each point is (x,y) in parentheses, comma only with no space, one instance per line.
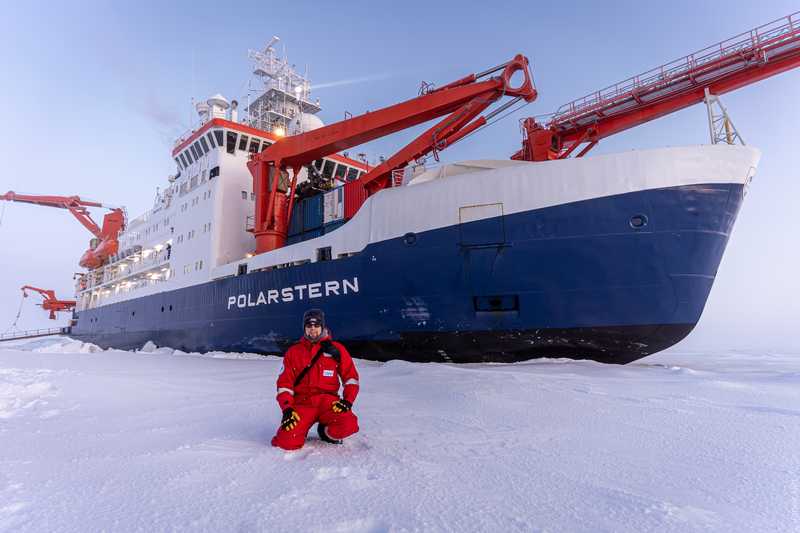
(159,440)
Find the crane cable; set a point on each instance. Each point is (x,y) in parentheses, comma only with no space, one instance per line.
(494,120)
(13,327)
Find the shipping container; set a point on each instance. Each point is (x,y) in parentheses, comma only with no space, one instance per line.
(333,205)
(312,212)
(296,220)
(354,196)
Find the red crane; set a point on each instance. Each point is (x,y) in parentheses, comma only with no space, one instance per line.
(105,242)
(462,101)
(49,300)
(731,64)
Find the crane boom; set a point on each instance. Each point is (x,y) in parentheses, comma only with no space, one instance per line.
(49,300)
(726,66)
(106,243)
(462,101)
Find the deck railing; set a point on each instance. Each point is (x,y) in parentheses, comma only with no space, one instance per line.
(26,334)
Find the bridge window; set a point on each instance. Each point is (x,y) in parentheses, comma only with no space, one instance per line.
(211,140)
(327,170)
(204,144)
(243,143)
(199,148)
(254,145)
(341,171)
(189,156)
(352,174)
(230,142)
(218,135)
(178,162)
(194,152)
(183,159)
(318,164)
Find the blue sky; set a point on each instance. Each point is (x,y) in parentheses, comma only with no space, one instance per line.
(95,92)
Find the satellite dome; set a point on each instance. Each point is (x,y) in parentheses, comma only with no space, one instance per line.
(305,122)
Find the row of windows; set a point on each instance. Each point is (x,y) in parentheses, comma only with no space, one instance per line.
(195,201)
(191,233)
(198,179)
(198,265)
(330,169)
(199,148)
(244,143)
(137,236)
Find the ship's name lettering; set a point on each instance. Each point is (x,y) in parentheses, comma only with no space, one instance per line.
(309,291)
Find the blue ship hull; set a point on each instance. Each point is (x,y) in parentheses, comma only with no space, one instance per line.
(612,279)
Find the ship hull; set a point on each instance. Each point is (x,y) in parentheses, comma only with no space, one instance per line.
(613,279)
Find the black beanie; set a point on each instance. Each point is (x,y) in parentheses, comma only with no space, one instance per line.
(314,315)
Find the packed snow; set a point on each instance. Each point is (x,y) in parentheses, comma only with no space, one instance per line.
(161,440)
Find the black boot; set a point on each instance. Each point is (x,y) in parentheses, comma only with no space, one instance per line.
(323,436)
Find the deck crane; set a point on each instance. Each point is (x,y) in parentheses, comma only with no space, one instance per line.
(726,66)
(49,300)
(105,242)
(462,101)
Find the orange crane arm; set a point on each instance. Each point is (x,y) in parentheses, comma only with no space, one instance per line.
(113,222)
(49,300)
(462,100)
(74,204)
(726,66)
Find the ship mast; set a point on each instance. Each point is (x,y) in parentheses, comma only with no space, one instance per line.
(283,95)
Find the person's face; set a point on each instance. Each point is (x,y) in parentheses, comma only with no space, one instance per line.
(313,330)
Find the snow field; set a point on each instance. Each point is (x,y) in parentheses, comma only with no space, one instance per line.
(158,440)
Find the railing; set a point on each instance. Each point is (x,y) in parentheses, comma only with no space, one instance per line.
(31,333)
(93,280)
(772,34)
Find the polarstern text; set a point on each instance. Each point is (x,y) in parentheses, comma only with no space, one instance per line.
(298,292)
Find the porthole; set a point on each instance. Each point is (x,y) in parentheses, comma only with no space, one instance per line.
(410,238)
(162,308)
(170,308)
(638,221)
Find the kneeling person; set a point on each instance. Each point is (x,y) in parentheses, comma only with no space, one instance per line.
(308,387)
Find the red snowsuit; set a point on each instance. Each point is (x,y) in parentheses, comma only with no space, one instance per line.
(314,395)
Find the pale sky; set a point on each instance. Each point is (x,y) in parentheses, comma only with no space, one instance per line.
(95,93)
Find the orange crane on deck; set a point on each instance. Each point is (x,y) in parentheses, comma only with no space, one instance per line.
(462,101)
(49,300)
(105,242)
